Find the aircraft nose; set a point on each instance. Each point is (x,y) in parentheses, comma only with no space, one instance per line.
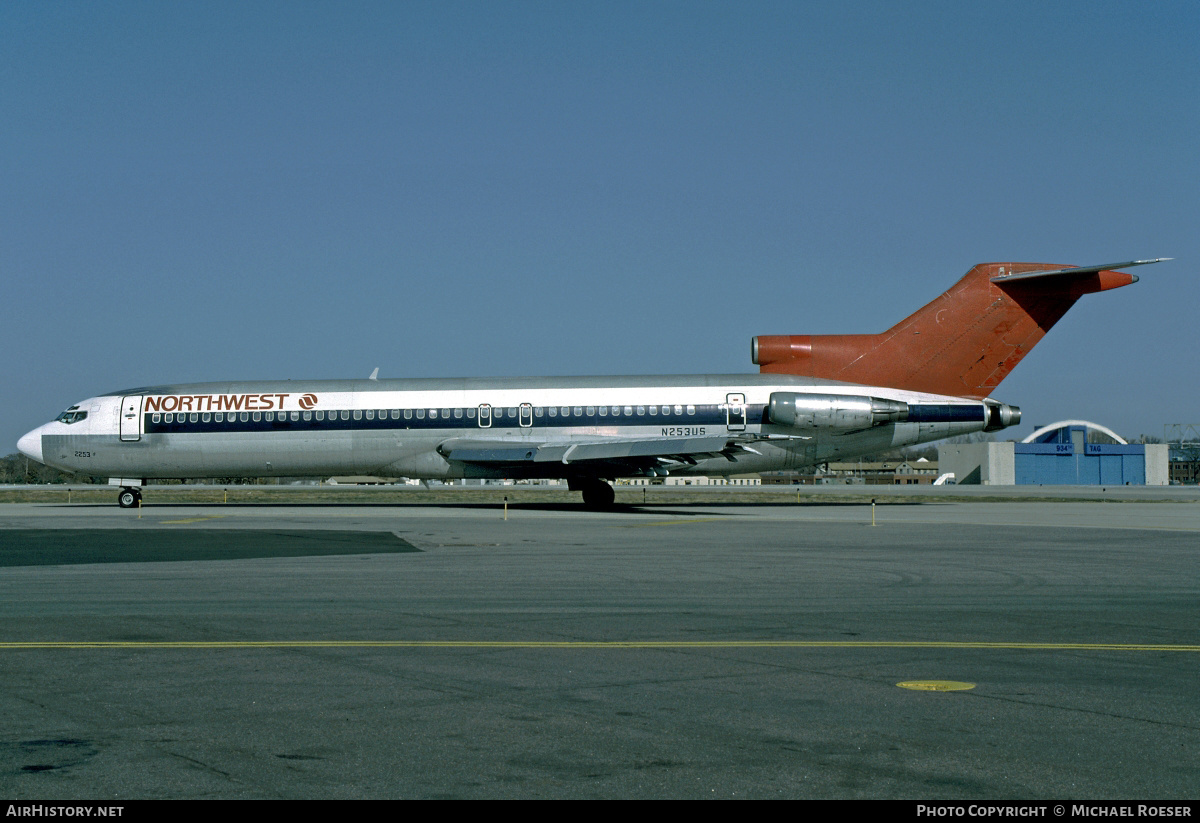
(31,445)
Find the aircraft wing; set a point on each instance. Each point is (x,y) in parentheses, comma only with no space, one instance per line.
(609,456)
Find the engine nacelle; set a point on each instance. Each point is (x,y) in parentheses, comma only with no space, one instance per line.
(834,411)
(1001,416)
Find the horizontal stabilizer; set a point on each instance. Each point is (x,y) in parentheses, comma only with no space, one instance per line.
(1005,278)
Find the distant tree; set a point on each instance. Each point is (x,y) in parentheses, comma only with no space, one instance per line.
(973,437)
(12,468)
(927,450)
(19,469)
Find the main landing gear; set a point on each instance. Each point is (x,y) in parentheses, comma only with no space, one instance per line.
(129,497)
(596,493)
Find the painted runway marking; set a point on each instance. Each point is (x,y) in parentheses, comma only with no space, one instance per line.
(196,519)
(672,522)
(588,644)
(936,685)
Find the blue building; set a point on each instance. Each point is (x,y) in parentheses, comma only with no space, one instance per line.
(1060,455)
(1067,453)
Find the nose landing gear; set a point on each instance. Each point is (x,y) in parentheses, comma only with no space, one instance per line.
(129,497)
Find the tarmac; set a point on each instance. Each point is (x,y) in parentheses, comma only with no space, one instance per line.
(711,649)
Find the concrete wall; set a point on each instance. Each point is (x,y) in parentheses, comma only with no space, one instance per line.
(1157,468)
(979,464)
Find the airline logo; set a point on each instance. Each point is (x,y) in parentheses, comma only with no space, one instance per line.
(223,402)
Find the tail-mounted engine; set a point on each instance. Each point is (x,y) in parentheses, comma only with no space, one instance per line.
(1001,416)
(833,411)
(848,412)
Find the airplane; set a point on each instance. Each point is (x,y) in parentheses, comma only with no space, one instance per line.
(816,398)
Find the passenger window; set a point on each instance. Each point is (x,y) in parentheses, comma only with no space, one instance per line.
(168,418)
(193,417)
(604,411)
(345,414)
(578,411)
(471,413)
(220,417)
(553,410)
(358,414)
(537,412)
(408,414)
(566,411)
(420,414)
(445,414)
(641,411)
(629,411)
(679,409)
(395,414)
(653,410)
(154,418)
(295,415)
(206,417)
(257,416)
(244,416)
(591,411)
(370,414)
(458,414)
(691,409)
(308,415)
(433,414)
(320,415)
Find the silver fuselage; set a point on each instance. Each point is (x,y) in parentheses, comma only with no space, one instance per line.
(401,427)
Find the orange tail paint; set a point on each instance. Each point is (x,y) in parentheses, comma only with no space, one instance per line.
(963,343)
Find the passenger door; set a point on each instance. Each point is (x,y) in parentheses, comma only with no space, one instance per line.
(131,418)
(735,412)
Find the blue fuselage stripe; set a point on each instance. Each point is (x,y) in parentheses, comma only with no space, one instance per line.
(945,413)
(382,419)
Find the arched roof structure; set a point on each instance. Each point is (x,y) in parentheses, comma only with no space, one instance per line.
(1040,435)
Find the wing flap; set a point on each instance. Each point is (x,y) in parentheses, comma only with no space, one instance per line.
(686,449)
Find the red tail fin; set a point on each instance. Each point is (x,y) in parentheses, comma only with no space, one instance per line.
(963,343)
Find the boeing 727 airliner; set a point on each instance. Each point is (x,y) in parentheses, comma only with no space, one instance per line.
(817,398)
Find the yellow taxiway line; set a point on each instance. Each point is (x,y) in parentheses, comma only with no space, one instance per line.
(589,644)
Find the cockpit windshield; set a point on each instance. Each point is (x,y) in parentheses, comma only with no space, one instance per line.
(71,415)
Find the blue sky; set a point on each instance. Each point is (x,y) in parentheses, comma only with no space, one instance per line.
(209,191)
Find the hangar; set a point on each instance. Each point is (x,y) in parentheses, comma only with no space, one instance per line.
(1067,453)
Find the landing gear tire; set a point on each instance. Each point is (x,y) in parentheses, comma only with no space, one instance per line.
(598,495)
(129,498)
